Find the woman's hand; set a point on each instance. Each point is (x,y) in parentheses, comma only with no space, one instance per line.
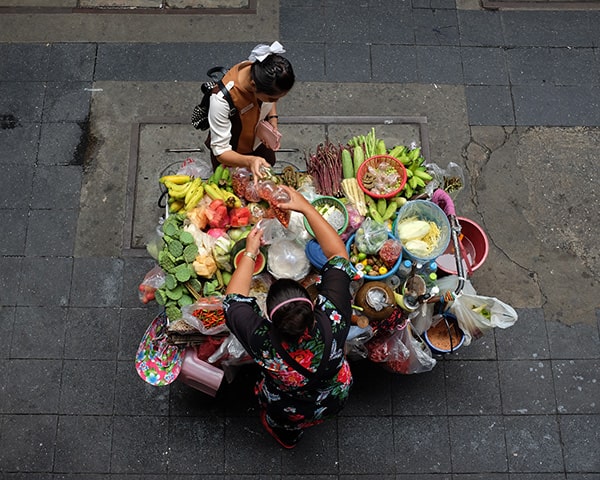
(297,201)
(253,240)
(242,275)
(255,164)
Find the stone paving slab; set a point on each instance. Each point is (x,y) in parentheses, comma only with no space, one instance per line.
(127,4)
(161,25)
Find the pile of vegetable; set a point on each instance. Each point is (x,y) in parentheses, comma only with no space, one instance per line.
(326,169)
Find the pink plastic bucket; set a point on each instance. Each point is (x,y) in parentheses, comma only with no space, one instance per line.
(476,248)
(199,374)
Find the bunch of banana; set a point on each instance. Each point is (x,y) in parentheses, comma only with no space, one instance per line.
(416,171)
(217,193)
(194,194)
(184,191)
(221,177)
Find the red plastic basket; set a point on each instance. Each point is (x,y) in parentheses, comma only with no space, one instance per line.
(375,162)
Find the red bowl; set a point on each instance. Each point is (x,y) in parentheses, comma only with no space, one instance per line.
(375,161)
(476,248)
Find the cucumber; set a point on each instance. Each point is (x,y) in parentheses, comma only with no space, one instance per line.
(359,158)
(347,165)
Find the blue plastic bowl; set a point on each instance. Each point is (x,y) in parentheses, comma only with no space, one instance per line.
(430,212)
(390,272)
(437,350)
(315,254)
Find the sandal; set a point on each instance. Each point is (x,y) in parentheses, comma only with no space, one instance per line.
(285,438)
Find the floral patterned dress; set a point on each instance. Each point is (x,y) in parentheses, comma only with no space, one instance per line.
(291,402)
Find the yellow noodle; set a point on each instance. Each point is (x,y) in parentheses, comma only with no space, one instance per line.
(433,237)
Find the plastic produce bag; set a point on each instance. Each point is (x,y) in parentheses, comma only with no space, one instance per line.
(422,318)
(195,168)
(355,347)
(419,358)
(287,259)
(153,280)
(449,283)
(273,231)
(477,315)
(450,179)
(205,315)
(387,346)
(371,236)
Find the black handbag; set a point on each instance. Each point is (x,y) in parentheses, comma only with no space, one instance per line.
(200,113)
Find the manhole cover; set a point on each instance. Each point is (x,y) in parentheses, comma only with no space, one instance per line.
(158,147)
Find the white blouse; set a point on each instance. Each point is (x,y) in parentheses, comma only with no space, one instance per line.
(220,124)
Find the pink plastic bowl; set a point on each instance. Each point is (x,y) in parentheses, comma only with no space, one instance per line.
(476,246)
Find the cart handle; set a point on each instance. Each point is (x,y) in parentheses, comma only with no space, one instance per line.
(441,198)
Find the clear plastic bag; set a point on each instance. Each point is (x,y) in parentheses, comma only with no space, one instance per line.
(387,346)
(152,281)
(287,259)
(206,315)
(419,358)
(477,315)
(195,168)
(371,236)
(422,318)
(355,347)
(450,179)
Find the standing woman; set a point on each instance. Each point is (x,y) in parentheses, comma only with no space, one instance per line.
(298,345)
(255,86)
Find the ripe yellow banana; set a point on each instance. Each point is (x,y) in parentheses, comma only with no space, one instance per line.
(194,199)
(196,182)
(213,192)
(231,200)
(176,190)
(177,179)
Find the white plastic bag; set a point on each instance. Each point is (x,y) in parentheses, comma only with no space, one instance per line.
(477,315)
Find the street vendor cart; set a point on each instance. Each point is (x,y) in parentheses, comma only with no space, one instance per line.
(413,257)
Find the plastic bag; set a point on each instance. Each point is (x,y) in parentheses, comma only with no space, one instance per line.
(422,318)
(450,179)
(206,315)
(355,347)
(371,236)
(287,259)
(419,358)
(477,315)
(153,280)
(272,230)
(387,346)
(195,168)
(230,355)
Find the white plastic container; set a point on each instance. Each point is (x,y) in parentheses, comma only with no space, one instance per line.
(199,374)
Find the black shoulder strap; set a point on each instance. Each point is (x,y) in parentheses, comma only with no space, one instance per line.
(325,328)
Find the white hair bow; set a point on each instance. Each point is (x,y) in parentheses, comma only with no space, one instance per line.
(262,51)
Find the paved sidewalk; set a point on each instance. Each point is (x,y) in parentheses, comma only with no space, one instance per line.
(510,95)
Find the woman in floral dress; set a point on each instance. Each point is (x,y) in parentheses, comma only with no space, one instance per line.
(299,345)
